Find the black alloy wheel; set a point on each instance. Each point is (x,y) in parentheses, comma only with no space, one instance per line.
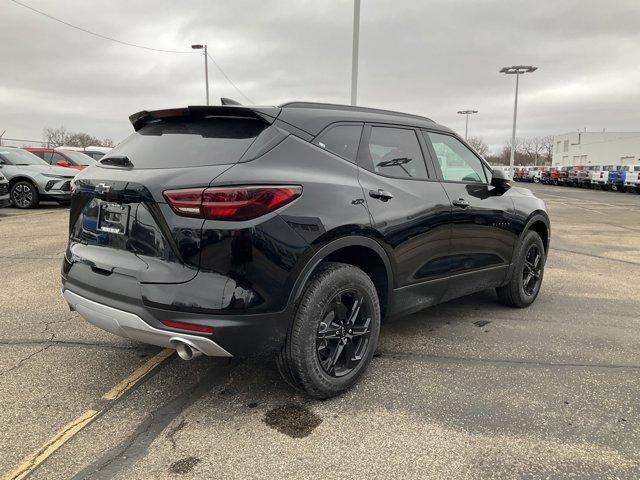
(532,270)
(334,332)
(343,334)
(528,270)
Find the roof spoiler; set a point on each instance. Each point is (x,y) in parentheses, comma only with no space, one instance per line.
(264,114)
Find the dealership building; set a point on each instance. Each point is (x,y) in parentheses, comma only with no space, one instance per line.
(596,148)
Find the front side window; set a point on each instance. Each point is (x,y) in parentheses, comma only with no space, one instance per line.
(457,162)
(343,140)
(395,152)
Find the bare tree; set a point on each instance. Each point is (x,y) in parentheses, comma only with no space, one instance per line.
(547,142)
(479,145)
(55,137)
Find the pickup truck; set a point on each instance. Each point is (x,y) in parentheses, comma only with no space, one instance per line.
(632,178)
(600,177)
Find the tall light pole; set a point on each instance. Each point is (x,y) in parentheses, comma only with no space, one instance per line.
(354,58)
(206,67)
(466,113)
(515,70)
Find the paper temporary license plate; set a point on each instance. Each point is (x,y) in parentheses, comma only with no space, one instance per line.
(113,218)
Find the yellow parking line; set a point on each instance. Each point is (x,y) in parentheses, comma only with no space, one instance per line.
(138,375)
(63,436)
(30,462)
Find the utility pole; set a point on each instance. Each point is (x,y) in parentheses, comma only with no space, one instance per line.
(516,70)
(206,67)
(466,120)
(354,59)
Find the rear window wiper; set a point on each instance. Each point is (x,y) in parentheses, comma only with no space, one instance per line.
(117,161)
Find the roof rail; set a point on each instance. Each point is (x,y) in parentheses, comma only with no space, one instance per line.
(337,106)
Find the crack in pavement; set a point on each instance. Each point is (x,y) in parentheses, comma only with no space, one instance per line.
(594,256)
(28,357)
(423,357)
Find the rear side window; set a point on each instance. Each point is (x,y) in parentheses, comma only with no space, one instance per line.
(395,152)
(189,143)
(343,140)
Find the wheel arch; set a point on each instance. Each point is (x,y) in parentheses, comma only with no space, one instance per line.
(539,223)
(22,178)
(362,252)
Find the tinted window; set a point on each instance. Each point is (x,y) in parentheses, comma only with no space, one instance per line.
(47,156)
(342,140)
(56,157)
(395,152)
(78,158)
(16,156)
(189,143)
(457,162)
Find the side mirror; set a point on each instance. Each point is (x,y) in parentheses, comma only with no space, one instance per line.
(500,179)
(63,163)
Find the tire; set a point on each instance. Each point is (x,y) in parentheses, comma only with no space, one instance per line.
(518,292)
(24,195)
(317,331)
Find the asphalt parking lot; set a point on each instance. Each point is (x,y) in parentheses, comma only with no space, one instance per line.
(468,389)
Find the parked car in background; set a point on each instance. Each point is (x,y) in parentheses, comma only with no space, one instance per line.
(62,157)
(31,179)
(583,177)
(600,177)
(94,152)
(616,178)
(519,174)
(572,178)
(563,175)
(533,175)
(231,231)
(5,198)
(632,178)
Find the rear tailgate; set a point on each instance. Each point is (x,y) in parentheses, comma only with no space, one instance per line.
(120,221)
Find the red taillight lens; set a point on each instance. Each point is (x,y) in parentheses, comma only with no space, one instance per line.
(194,327)
(231,203)
(187,202)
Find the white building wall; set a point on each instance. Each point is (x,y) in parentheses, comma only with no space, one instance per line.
(596,148)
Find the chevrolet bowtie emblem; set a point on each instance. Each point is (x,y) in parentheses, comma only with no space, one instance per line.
(102,188)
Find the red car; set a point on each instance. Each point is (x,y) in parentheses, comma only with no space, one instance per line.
(62,158)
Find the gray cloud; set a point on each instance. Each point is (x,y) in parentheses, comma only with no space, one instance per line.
(431,58)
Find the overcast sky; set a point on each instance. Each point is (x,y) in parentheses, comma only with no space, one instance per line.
(429,57)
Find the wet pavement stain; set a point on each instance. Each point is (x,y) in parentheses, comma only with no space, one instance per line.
(481,323)
(184,465)
(297,421)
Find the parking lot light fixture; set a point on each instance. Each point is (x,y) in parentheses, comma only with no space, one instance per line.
(206,66)
(466,113)
(516,70)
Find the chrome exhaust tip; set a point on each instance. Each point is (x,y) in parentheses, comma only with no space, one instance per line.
(186,351)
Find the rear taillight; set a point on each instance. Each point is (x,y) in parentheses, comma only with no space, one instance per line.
(231,203)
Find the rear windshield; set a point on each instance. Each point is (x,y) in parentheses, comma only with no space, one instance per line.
(189,143)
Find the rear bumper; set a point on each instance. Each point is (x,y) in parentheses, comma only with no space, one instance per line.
(131,326)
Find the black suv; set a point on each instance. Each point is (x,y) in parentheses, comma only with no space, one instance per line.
(233,230)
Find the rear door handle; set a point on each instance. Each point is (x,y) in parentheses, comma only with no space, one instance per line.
(461,202)
(380,194)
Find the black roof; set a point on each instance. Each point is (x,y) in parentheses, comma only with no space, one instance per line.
(309,117)
(313,117)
